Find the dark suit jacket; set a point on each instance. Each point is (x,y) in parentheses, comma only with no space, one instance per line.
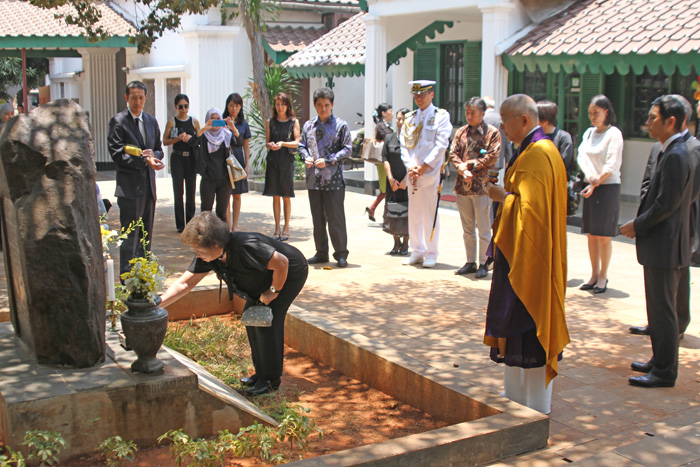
(134,177)
(693,146)
(661,225)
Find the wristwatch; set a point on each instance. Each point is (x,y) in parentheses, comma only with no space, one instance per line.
(273,289)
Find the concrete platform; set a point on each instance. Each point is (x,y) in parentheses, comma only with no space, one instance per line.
(88,406)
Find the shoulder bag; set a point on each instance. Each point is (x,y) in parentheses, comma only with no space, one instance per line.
(372,150)
(235,170)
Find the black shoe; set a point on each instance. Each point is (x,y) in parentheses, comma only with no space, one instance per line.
(342,263)
(394,251)
(316,259)
(403,251)
(587,286)
(180,229)
(369,214)
(597,290)
(641,367)
(466,269)
(250,380)
(640,330)
(481,272)
(651,381)
(263,386)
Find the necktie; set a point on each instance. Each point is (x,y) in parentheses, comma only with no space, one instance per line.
(142,128)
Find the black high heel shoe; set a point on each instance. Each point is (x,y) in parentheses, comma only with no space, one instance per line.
(597,290)
(369,214)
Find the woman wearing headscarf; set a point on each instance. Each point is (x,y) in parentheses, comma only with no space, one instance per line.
(214,146)
(7,111)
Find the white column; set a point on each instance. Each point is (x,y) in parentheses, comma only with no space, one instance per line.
(213,63)
(496,24)
(99,95)
(375,78)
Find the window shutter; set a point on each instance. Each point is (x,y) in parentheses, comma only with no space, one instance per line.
(615,90)
(472,69)
(426,65)
(591,86)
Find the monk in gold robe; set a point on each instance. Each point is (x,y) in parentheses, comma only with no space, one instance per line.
(525,324)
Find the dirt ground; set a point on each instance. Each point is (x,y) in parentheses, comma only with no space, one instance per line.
(350,413)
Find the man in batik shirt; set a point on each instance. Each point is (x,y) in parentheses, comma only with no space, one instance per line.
(324,144)
(475,149)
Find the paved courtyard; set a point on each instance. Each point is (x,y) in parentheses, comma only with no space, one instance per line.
(597,419)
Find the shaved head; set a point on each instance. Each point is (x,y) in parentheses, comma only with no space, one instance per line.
(518,117)
(521,104)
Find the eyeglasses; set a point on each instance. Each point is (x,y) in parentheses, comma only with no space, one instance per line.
(181,106)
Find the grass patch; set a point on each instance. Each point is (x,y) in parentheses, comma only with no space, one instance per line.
(219,346)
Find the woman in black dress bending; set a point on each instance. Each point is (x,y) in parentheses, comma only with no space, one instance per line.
(240,148)
(264,268)
(282,136)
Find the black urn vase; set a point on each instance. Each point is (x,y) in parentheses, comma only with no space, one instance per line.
(144,325)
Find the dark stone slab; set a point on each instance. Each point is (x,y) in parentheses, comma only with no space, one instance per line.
(51,236)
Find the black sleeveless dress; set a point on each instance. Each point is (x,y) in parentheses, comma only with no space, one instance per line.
(279,173)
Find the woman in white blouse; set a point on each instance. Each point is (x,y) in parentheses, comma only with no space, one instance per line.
(600,159)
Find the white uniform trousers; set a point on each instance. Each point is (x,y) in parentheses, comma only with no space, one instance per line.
(527,387)
(421,211)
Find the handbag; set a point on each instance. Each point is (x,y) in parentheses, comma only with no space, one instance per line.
(396,209)
(235,169)
(372,150)
(259,316)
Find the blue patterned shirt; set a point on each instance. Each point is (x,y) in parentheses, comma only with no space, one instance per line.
(329,140)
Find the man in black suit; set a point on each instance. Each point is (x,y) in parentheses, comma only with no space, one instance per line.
(693,145)
(136,178)
(663,241)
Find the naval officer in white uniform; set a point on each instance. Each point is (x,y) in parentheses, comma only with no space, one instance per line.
(424,140)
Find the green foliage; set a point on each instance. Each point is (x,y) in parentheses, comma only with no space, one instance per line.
(180,445)
(44,446)
(296,427)
(257,10)
(220,347)
(154,18)
(277,80)
(205,453)
(11,74)
(12,458)
(116,450)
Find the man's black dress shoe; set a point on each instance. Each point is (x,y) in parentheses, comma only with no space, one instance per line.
(466,269)
(342,263)
(640,330)
(651,381)
(481,272)
(642,367)
(263,386)
(316,259)
(250,380)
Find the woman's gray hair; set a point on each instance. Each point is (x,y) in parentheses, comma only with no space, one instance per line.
(205,230)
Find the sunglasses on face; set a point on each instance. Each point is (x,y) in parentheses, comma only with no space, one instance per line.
(181,106)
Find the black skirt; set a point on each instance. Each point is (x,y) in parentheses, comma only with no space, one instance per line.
(601,211)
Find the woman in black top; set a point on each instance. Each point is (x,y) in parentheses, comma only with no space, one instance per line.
(178,132)
(213,149)
(265,269)
(241,149)
(396,188)
(382,117)
(282,136)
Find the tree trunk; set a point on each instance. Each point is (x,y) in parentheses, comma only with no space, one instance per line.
(260,87)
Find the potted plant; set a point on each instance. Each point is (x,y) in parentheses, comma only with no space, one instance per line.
(144,323)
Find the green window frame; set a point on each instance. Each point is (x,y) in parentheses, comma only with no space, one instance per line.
(456,67)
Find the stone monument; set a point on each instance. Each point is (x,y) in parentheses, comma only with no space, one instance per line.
(51,235)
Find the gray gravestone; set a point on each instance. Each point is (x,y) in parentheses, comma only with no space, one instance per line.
(51,235)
